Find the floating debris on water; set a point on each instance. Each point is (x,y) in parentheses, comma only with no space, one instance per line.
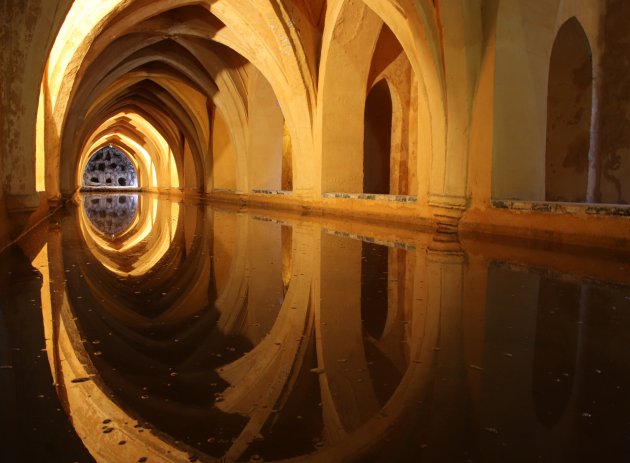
(80,380)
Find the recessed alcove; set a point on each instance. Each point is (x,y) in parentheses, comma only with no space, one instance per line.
(377,140)
(569,108)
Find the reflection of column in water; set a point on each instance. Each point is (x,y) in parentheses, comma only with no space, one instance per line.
(534,353)
(266,288)
(365,345)
(585,293)
(29,398)
(383,299)
(449,400)
(564,429)
(231,234)
(555,349)
(506,395)
(264,378)
(287,254)
(388,430)
(349,398)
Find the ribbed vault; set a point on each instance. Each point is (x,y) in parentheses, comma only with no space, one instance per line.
(151,77)
(245,97)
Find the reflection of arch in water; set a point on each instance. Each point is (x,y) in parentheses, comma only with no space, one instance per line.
(250,295)
(111,214)
(145,241)
(163,253)
(91,272)
(261,380)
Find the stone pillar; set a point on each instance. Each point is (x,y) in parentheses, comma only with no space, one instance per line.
(27,31)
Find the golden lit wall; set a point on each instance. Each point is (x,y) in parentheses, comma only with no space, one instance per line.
(206,96)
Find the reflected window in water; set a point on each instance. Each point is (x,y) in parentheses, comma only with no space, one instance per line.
(374,288)
(111,214)
(383,301)
(556,364)
(557,342)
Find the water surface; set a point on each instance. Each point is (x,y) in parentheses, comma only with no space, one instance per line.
(134,328)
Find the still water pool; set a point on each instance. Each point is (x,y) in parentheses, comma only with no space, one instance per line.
(135,328)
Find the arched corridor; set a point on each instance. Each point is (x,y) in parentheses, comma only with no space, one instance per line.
(403,117)
(314,230)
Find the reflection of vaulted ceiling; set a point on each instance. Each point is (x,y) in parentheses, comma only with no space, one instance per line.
(238,358)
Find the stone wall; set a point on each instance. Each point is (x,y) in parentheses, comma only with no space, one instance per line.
(27,32)
(614,140)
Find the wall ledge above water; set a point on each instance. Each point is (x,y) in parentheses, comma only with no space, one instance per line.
(585,225)
(613,210)
(404,211)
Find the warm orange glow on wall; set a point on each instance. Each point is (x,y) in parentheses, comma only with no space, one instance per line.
(80,26)
(40,146)
(143,143)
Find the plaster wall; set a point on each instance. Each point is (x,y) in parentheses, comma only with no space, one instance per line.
(27,32)
(224,165)
(348,43)
(265,134)
(525,35)
(190,173)
(614,139)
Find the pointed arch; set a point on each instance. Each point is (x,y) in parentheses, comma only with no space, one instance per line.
(569,107)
